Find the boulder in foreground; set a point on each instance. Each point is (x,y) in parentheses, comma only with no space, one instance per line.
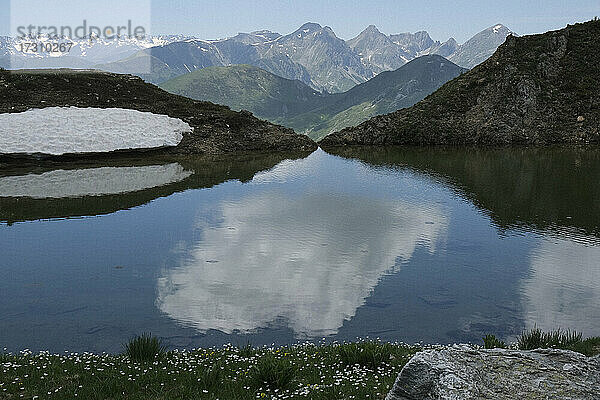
(461,372)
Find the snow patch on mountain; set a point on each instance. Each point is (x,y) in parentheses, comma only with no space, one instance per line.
(66,130)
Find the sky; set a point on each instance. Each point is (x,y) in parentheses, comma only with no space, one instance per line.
(460,19)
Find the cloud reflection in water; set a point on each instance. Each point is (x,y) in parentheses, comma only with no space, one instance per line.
(563,289)
(309,259)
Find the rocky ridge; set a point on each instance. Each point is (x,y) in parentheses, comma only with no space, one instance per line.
(535,90)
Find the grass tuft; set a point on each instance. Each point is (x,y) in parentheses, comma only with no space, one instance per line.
(367,354)
(589,347)
(272,372)
(246,351)
(491,342)
(556,339)
(211,378)
(144,348)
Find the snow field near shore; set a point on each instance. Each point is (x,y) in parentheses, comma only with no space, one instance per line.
(72,130)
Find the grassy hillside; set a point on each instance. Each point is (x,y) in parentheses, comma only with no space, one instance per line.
(295,105)
(387,92)
(244,87)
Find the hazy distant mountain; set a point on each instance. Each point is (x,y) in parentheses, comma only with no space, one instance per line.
(537,89)
(312,54)
(480,47)
(445,49)
(413,43)
(331,63)
(296,105)
(258,37)
(82,53)
(161,63)
(420,43)
(378,52)
(476,50)
(5,42)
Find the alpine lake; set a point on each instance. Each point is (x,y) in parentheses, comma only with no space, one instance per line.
(432,245)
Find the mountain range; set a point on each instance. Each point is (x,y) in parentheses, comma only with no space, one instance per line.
(312,54)
(298,106)
(537,89)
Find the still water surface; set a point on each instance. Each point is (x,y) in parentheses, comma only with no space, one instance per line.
(434,245)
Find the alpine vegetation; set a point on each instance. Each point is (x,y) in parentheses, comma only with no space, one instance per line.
(145,371)
(144,348)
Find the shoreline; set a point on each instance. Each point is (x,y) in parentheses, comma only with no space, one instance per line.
(355,370)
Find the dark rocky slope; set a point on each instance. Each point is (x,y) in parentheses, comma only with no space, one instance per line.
(217,129)
(538,89)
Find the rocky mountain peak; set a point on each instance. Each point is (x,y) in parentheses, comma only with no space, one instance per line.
(266,34)
(423,38)
(497,30)
(309,27)
(420,40)
(481,46)
(256,37)
(371,33)
(371,29)
(329,31)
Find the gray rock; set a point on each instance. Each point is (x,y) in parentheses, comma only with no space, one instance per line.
(461,372)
